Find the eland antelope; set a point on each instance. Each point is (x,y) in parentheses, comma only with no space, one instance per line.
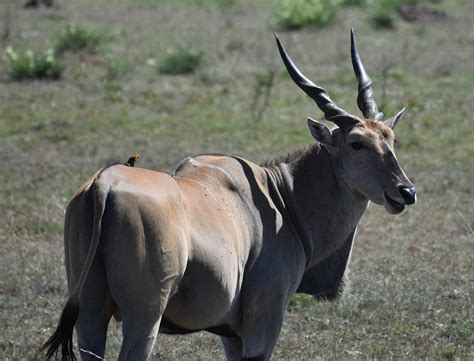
(223,243)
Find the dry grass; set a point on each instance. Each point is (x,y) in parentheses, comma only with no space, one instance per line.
(411,276)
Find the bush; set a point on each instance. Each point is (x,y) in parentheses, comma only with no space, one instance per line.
(31,65)
(180,60)
(385,14)
(77,38)
(383,19)
(294,14)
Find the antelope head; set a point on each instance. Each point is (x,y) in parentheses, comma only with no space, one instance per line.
(363,148)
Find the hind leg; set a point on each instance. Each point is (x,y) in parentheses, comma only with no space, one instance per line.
(232,348)
(95,301)
(139,335)
(91,336)
(97,307)
(91,329)
(141,320)
(141,292)
(145,253)
(142,299)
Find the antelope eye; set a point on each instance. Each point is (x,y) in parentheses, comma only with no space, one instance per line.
(357,145)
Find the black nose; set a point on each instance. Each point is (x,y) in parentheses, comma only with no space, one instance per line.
(408,194)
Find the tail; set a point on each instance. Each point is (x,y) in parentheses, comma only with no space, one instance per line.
(63,335)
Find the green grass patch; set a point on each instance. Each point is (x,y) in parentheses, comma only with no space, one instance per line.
(29,64)
(402,330)
(448,352)
(116,68)
(78,38)
(113,92)
(300,300)
(291,14)
(180,59)
(464,330)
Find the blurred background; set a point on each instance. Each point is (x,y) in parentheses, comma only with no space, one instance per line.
(86,83)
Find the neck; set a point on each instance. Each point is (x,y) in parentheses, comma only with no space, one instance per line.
(319,208)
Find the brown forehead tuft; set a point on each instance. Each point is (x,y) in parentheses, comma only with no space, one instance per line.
(371,124)
(369,129)
(375,130)
(378,127)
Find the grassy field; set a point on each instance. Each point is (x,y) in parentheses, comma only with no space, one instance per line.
(412,276)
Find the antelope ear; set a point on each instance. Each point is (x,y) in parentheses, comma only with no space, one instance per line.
(393,121)
(321,133)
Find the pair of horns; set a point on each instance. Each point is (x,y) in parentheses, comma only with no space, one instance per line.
(365,98)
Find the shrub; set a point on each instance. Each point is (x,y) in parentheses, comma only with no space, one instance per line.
(294,14)
(383,19)
(385,12)
(31,65)
(77,38)
(180,60)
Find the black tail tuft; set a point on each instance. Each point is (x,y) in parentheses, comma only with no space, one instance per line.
(62,337)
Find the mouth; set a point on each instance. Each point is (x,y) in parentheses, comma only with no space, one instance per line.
(392,206)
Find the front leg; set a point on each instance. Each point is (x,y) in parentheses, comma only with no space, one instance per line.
(259,337)
(232,348)
(262,322)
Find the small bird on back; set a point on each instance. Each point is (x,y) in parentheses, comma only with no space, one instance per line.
(131,161)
